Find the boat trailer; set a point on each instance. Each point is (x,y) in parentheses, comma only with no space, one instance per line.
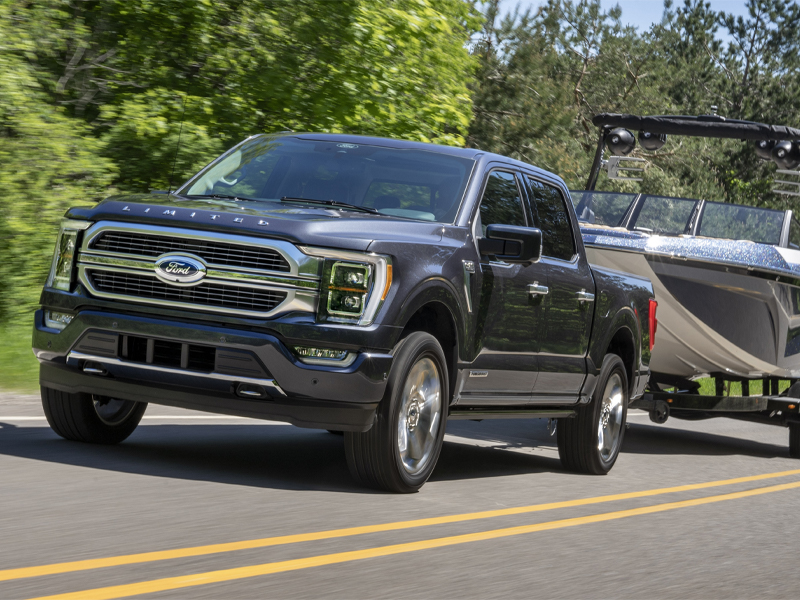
(771,408)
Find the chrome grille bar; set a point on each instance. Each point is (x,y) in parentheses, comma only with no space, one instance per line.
(252,277)
(219,253)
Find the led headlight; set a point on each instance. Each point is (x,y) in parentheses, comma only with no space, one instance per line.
(60,276)
(353,286)
(348,289)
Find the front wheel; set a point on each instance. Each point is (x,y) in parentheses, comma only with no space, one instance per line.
(590,441)
(90,418)
(399,452)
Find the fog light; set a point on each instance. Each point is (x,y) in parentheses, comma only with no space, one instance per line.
(57,320)
(324,356)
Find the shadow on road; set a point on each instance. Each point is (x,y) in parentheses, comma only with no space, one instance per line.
(286,457)
(655,439)
(269,456)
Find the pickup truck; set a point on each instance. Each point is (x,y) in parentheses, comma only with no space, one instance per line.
(363,285)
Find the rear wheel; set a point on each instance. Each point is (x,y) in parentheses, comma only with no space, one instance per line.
(90,418)
(400,451)
(794,440)
(590,441)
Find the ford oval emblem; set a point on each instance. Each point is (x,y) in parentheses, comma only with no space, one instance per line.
(180,269)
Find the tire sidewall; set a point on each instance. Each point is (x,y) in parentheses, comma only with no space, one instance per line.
(416,346)
(611,364)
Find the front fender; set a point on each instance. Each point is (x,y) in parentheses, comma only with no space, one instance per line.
(434,290)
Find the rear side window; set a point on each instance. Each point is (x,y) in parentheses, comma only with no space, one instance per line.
(551,217)
(501,203)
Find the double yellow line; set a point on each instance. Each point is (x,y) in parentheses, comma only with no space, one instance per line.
(172,583)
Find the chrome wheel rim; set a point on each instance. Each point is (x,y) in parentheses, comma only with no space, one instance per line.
(609,427)
(112,411)
(420,416)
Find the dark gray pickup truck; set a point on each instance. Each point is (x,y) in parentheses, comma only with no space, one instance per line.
(368,286)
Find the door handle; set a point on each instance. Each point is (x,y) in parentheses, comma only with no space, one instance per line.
(584,296)
(534,289)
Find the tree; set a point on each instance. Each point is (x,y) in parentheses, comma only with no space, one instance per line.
(48,162)
(126,67)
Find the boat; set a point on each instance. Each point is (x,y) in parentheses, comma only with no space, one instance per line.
(726,276)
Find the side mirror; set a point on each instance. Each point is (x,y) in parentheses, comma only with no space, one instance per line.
(512,244)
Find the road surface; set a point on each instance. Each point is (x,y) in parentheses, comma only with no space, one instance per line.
(201,506)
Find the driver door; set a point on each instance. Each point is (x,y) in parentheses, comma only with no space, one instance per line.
(509,316)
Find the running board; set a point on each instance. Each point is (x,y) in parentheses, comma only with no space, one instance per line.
(479,415)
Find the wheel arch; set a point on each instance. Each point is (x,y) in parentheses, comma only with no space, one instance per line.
(434,308)
(622,344)
(619,335)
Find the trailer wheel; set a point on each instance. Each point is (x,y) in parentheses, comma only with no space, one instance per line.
(794,440)
(590,441)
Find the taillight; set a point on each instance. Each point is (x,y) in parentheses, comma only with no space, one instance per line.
(652,321)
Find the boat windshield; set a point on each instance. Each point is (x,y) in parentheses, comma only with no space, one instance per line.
(602,208)
(665,215)
(411,183)
(736,222)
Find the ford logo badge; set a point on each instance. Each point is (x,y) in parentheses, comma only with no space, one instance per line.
(180,269)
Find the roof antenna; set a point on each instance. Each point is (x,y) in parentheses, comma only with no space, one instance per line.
(178,147)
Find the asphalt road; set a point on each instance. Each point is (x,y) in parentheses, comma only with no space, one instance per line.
(184,481)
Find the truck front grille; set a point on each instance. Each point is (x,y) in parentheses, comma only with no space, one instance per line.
(212,252)
(205,294)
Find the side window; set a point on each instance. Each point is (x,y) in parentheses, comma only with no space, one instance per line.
(501,203)
(551,217)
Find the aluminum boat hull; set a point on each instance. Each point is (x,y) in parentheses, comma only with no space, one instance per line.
(724,307)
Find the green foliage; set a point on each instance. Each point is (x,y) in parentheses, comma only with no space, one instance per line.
(48,162)
(587,62)
(20,369)
(384,67)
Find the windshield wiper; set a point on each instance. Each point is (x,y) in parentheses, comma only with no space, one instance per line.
(224,197)
(333,203)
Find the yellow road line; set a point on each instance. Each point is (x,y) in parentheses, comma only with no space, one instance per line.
(185,581)
(145,557)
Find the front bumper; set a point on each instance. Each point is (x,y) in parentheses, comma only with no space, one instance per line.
(85,357)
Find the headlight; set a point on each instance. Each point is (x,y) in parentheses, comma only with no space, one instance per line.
(353,286)
(60,276)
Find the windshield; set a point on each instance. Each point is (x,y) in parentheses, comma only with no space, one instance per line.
(735,222)
(601,208)
(416,184)
(661,214)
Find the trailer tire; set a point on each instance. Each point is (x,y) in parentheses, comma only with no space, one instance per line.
(590,442)
(794,440)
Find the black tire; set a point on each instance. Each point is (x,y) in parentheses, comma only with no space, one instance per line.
(383,458)
(335,432)
(794,440)
(84,418)
(578,437)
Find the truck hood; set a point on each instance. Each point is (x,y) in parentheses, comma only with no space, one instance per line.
(296,223)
